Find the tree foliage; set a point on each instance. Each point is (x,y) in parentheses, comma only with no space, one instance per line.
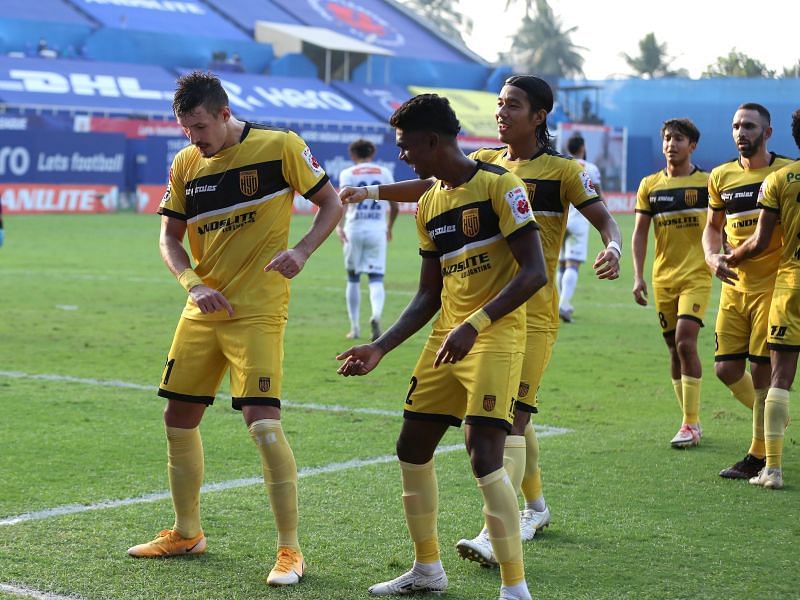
(542,45)
(443,15)
(653,59)
(737,64)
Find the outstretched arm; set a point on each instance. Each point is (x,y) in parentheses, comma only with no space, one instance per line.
(400,191)
(606,265)
(360,360)
(290,262)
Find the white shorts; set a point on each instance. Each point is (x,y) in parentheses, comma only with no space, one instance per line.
(576,239)
(365,252)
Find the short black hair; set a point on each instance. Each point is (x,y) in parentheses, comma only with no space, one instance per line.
(362,148)
(684,126)
(759,108)
(426,112)
(796,127)
(197,89)
(539,92)
(575,143)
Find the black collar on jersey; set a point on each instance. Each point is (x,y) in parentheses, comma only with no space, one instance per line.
(772,157)
(245,131)
(694,170)
(538,153)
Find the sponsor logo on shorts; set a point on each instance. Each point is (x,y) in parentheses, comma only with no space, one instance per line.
(695,307)
(489,402)
(248,182)
(524,388)
(470,222)
(690,198)
(263,384)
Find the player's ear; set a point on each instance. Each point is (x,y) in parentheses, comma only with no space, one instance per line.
(225,113)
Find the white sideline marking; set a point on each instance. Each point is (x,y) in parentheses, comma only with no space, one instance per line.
(115,383)
(31,593)
(357,463)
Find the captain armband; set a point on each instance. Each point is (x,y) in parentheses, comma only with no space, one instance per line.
(479,320)
(188,279)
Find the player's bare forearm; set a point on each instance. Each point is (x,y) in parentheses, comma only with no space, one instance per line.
(759,241)
(641,230)
(170,244)
(712,234)
(597,214)
(327,218)
(423,306)
(410,190)
(532,275)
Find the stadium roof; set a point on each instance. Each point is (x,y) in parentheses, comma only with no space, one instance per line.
(285,37)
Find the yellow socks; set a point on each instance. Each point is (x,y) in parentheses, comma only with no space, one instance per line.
(678,387)
(532,480)
(690,390)
(776,418)
(744,391)
(421,505)
(757,446)
(185,468)
(514,455)
(502,520)
(280,478)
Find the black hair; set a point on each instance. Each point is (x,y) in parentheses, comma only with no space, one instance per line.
(197,89)
(684,126)
(796,127)
(426,112)
(575,143)
(759,108)
(362,148)
(540,96)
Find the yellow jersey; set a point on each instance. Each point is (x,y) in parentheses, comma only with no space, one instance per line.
(780,192)
(237,206)
(553,183)
(734,189)
(678,208)
(467,229)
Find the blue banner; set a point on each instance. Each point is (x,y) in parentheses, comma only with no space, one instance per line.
(375,22)
(281,99)
(380,101)
(164,16)
(76,85)
(62,158)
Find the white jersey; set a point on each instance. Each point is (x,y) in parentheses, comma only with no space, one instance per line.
(369,215)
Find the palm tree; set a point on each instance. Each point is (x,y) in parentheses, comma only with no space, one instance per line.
(542,45)
(653,60)
(443,15)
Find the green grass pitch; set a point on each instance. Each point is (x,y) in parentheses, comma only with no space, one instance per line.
(86,301)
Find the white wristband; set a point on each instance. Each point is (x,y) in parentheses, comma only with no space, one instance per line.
(372,192)
(612,245)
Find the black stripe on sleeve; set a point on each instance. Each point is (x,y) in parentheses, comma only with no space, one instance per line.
(769,208)
(588,203)
(171,213)
(532,226)
(641,211)
(325,179)
(429,253)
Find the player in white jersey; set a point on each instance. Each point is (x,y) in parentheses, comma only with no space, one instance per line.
(365,230)
(576,238)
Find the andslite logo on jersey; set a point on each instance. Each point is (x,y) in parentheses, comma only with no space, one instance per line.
(470,222)
(312,162)
(518,202)
(248,182)
(690,198)
(358,21)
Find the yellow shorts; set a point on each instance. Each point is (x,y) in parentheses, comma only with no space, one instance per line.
(202,351)
(478,389)
(685,302)
(538,350)
(741,330)
(784,321)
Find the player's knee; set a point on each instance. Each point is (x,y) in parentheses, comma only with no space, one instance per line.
(375,277)
(728,372)
(353,277)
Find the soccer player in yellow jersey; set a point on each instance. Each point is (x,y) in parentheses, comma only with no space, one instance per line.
(232,191)
(481,261)
(554,182)
(741,329)
(675,200)
(779,201)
